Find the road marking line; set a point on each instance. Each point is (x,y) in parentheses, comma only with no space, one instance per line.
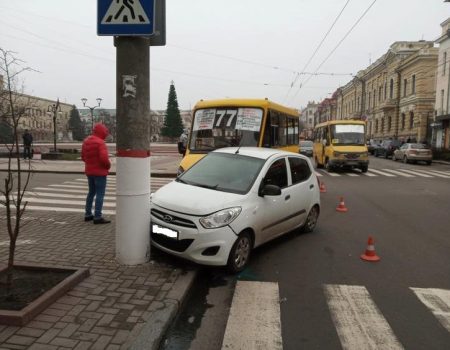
(62,209)
(434,173)
(358,321)
(397,173)
(416,173)
(254,321)
(61,195)
(381,173)
(437,301)
(318,174)
(85,180)
(77,187)
(59,201)
(369,174)
(352,174)
(82,185)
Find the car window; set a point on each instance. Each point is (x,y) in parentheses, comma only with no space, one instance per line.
(233,173)
(300,170)
(405,146)
(277,174)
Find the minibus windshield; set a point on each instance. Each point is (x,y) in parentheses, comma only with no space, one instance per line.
(224,127)
(347,134)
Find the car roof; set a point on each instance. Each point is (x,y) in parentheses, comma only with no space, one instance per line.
(257,152)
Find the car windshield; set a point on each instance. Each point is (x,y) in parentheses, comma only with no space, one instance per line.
(347,134)
(224,127)
(233,173)
(306,143)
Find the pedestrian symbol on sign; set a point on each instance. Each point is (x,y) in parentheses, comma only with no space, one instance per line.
(125,12)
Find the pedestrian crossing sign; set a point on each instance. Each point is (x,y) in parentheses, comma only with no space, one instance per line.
(125,17)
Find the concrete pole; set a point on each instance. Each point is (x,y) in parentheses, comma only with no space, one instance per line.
(133,150)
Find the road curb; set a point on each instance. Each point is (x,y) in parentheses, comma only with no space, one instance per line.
(152,332)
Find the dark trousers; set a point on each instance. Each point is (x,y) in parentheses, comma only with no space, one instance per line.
(27,152)
(97,187)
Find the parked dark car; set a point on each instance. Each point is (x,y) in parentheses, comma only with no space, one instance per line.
(372,145)
(387,148)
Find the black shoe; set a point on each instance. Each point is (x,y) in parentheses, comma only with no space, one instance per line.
(101,221)
(89,218)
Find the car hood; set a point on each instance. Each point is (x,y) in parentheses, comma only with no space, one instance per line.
(194,200)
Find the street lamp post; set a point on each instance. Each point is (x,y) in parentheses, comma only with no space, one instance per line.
(84,100)
(54,109)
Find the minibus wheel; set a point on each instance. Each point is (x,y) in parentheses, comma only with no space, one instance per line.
(328,166)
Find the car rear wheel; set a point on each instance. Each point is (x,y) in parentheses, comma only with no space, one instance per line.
(240,253)
(311,220)
(428,162)
(364,169)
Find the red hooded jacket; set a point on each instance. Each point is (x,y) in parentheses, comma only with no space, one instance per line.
(95,153)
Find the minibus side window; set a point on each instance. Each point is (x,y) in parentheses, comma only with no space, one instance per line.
(267,132)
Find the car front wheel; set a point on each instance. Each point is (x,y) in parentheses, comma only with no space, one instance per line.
(311,220)
(240,253)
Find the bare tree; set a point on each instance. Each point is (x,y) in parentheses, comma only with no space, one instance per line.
(12,109)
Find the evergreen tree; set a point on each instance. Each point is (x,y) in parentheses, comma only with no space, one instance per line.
(75,125)
(173,125)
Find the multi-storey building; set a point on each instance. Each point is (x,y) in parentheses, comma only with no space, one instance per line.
(307,118)
(395,94)
(441,121)
(326,110)
(36,115)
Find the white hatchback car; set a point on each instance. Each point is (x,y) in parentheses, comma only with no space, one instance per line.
(232,200)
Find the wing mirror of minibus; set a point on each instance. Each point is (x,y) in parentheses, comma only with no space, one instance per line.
(269,190)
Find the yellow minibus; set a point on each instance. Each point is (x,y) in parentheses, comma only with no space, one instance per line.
(339,144)
(239,122)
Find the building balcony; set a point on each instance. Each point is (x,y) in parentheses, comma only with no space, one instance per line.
(389,103)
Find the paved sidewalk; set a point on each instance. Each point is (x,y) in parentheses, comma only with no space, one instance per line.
(117,307)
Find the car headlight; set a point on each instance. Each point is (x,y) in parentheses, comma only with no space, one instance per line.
(180,170)
(220,218)
(364,154)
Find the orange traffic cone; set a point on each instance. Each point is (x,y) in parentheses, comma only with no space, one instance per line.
(322,188)
(341,207)
(370,254)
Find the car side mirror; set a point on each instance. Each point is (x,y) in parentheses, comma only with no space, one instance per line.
(269,190)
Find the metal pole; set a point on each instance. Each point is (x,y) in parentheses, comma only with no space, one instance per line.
(54,128)
(133,150)
(92,118)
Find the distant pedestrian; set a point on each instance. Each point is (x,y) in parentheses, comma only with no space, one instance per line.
(27,142)
(95,156)
(182,143)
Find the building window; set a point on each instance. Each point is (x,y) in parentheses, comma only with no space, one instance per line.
(358,103)
(413,84)
(405,85)
(380,92)
(442,102)
(389,124)
(403,121)
(382,124)
(444,64)
(385,90)
(411,120)
(376,126)
(369,100)
(391,89)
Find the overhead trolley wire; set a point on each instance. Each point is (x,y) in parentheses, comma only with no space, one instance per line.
(337,46)
(316,50)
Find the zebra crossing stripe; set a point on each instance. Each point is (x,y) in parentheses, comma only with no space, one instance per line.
(352,174)
(358,321)
(381,173)
(318,174)
(76,187)
(416,173)
(369,174)
(66,210)
(437,301)
(62,195)
(254,321)
(434,173)
(397,173)
(61,201)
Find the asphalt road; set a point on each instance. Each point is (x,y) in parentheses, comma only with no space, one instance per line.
(407,217)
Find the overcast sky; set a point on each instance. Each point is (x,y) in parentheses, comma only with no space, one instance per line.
(215,48)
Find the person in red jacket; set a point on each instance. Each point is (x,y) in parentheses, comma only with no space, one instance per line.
(94,154)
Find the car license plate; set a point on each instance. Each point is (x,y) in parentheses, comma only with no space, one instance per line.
(351,163)
(164,231)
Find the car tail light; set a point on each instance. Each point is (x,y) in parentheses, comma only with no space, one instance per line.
(412,152)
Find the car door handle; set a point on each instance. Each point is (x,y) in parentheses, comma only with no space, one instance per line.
(311,186)
(287,197)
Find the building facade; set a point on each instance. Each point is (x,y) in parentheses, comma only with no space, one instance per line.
(440,125)
(395,94)
(307,118)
